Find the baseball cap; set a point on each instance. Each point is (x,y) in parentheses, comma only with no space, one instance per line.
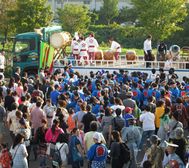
(128,109)
(97,136)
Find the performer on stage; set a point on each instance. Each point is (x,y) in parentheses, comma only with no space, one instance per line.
(83,51)
(92,46)
(75,48)
(148,50)
(115,47)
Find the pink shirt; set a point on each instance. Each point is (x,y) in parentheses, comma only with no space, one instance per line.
(50,137)
(37,114)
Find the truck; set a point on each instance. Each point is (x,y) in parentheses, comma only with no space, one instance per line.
(39,49)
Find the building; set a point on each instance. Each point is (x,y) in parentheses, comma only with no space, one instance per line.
(92,4)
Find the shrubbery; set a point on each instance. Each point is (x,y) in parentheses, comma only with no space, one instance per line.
(127,36)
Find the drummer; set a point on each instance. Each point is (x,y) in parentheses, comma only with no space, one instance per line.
(92,47)
(83,51)
(75,48)
(115,47)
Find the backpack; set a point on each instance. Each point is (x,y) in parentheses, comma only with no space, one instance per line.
(125,154)
(57,161)
(116,126)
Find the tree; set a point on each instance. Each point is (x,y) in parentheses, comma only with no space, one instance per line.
(5,26)
(160,18)
(127,15)
(30,14)
(74,18)
(109,11)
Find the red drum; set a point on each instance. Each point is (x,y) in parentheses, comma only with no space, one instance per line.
(131,55)
(98,55)
(109,55)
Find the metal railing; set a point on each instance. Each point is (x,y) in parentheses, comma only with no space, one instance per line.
(123,63)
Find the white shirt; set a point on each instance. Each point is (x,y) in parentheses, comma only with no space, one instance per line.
(75,47)
(83,48)
(2,61)
(63,151)
(92,44)
(148,121)
(115,46)
(147,45)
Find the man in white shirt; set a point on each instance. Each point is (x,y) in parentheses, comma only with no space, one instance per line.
(2,61)
(148,125)
(115,47)
(148,50)
(92,46)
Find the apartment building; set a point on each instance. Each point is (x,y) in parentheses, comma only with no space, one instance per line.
(92,4)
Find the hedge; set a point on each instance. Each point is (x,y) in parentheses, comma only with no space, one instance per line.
(127,36)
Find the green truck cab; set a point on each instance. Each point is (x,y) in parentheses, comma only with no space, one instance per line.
(26,49)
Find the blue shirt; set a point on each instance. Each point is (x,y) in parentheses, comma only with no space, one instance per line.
(126,117)
(54,96)
(97,152)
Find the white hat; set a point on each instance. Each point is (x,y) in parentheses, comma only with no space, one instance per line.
(97,136)
(171,144)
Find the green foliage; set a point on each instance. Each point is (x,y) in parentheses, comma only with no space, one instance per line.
(30,14)
(109,11)
(74,18)
(5,26)
(127,15)
(160,17)
(181,37)
(127,36)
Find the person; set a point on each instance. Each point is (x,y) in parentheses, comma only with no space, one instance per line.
(49,110)
(53,132)
(37,114)
(39,139)
(19,153)
(171,148)
(148,51)
(2,61)
(106,125)
(2,122)
(128,114)
(164,121)
(162,51)
(92,46)
(132,136)
(5,156)
(118,122)
(83,51)
(75,150)
(160,108)
(115,150)
(148,125)
(173,125)
(16,75)
(75,48)
(181,142)
(88,118)
(115,47)
(62,146)
(155,153)
(25,131)
(98,152)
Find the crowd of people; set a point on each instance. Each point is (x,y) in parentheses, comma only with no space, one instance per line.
(93,116)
